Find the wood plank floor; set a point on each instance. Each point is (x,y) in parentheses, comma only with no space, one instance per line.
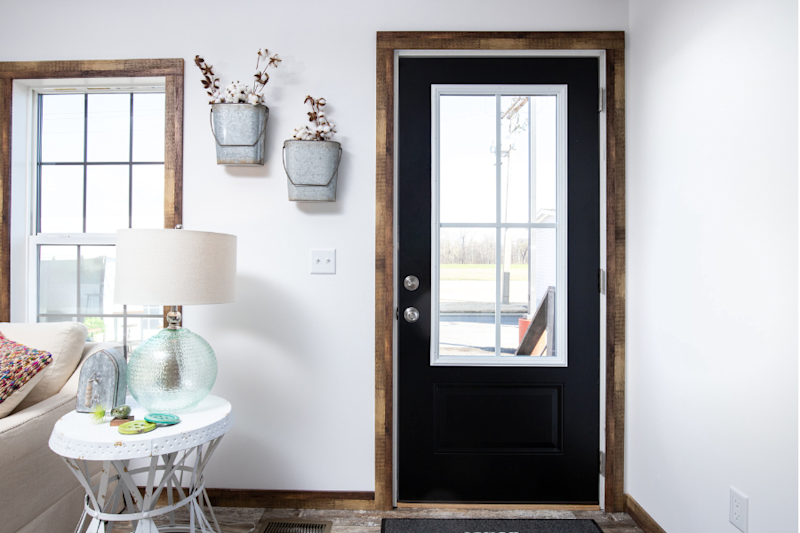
(245,520)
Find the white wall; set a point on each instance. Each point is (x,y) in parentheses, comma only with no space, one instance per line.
(712,262)
(296,351)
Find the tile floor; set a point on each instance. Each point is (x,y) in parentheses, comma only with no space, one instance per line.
(247,520)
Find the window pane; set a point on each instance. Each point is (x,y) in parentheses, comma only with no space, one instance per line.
(467,174)
(109,128)
(467,292)
(138,309)
(62,127)
(61,194)
(514,288)
(538,322)
(515,175)
(63,318)
(543,157)
(58,279)
(106,198)
(98,265)
(148,127)
(141,329)
(104,329)
(148,196)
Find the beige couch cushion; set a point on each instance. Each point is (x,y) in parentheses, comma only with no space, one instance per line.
(64,340)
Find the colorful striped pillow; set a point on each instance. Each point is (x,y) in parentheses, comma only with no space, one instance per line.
(19,366)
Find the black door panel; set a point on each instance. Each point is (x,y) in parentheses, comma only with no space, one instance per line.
(489,434)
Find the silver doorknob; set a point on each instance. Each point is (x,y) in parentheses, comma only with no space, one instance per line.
(411,314)
(411,283)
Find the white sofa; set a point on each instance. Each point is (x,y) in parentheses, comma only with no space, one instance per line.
(38,492)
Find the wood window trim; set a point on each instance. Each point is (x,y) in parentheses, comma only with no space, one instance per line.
(170,69)
(614,45)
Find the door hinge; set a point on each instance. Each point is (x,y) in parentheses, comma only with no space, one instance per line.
(397,313)
(601,281)
(601,104)
(602,463)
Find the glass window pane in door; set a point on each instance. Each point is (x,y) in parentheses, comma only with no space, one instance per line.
(514,286)
(148,127)
(467,291)
(107,194)
(98,267)
(61,199)
(109,128)
(539,287)
(515,176)
(62,128)
(543,158)
(148,197)
(467,172)
(58,280)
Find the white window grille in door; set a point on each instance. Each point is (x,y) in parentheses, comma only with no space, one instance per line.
(499,225)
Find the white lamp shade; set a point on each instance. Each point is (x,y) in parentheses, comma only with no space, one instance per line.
(174,267)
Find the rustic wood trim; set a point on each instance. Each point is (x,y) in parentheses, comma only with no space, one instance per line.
(173,152)
(479,40)
(171,69)
(499,506)
(615,291)
(112,68)
(614,45)
(6,89)
(290,499)
(641,517)
(384,282)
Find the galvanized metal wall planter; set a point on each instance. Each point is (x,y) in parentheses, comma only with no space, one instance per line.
(240,133)
(312,169)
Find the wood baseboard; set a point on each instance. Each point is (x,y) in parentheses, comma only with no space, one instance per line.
(283,499)
(640,516)
(499,506)
(291,499)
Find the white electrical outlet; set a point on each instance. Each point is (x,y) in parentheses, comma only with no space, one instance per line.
(738,511)
(323,261)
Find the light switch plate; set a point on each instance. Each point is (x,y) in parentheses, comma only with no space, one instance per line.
(323,261)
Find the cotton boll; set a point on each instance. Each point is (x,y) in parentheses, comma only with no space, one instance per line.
(326,129)
(253,99)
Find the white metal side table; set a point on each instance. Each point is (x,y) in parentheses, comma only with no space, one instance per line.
(173,451)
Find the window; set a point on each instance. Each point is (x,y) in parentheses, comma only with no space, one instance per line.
(498,225)
(99,167)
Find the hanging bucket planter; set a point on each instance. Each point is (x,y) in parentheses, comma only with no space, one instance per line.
(240,133)
(312,168)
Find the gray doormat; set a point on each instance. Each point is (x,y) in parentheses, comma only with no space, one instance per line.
(444,525)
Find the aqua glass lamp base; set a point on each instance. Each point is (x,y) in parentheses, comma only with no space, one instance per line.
(172,371)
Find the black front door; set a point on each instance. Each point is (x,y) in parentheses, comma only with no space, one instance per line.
(499,221)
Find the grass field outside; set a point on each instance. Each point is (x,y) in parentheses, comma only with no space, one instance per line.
(479,272)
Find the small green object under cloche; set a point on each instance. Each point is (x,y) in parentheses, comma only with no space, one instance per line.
(162,418)
(135,427)
(121,412)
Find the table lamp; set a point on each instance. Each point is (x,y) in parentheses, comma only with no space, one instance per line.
(174,369)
